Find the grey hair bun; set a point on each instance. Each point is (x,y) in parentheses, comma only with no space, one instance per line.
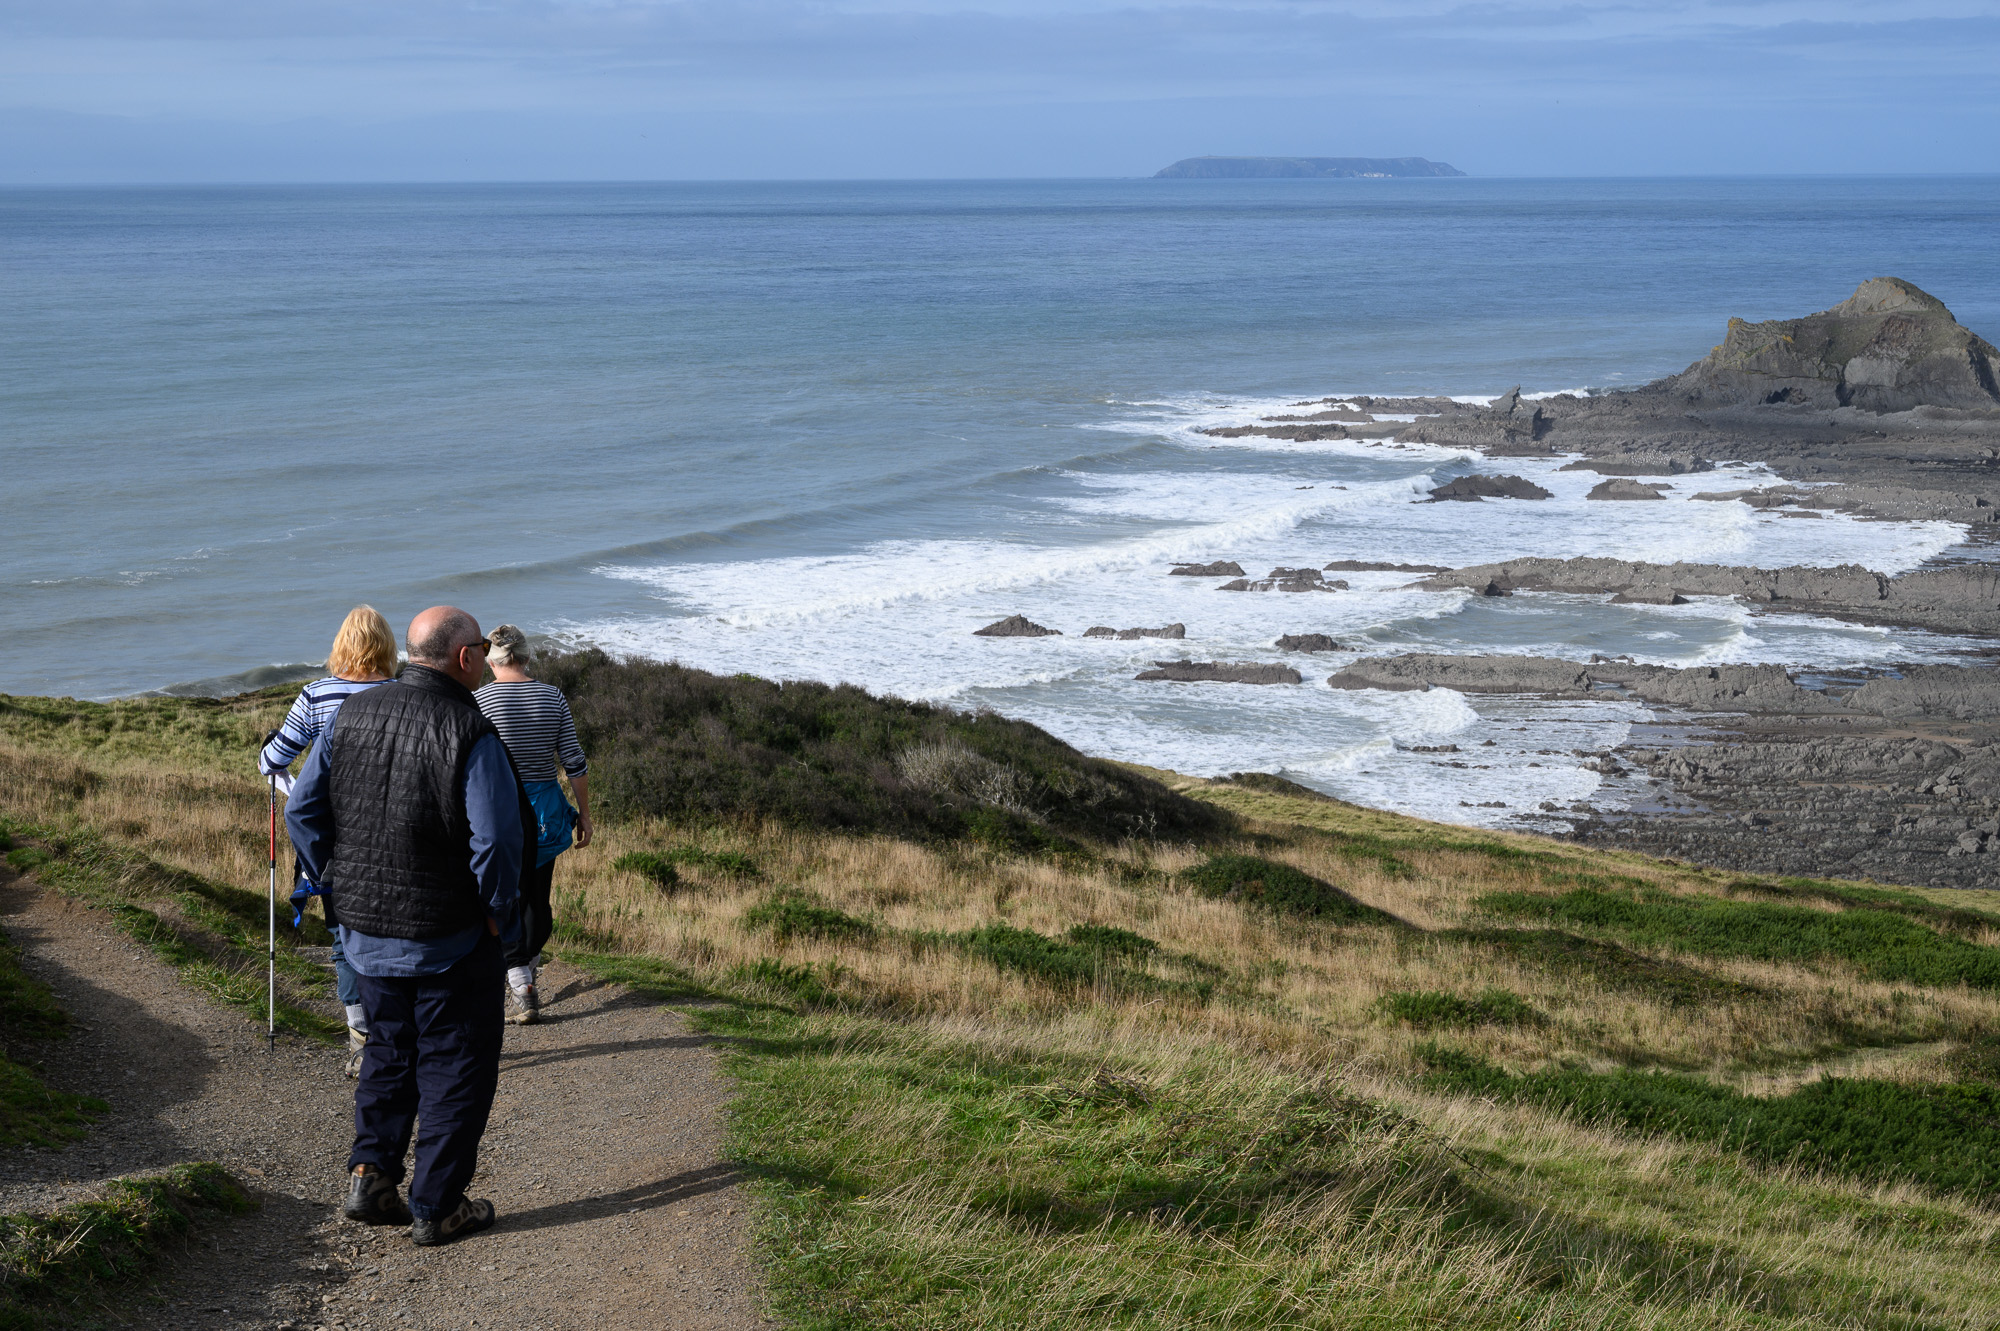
(510,646)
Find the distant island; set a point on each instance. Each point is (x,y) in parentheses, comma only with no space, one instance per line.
(1298,168)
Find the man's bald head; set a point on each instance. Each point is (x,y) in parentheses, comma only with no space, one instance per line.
(438,638)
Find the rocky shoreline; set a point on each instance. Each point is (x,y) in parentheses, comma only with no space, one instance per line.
(1881,407)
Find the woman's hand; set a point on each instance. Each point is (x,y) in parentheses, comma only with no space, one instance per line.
(583,829)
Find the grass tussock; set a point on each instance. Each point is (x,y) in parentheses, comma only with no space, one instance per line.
(52,1263)
(1001,1067)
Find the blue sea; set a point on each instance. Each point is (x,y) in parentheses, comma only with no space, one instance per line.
(826,430)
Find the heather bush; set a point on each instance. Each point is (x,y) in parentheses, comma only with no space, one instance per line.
(1279,887)
(666,741)
(1425,1008)
(1885,945)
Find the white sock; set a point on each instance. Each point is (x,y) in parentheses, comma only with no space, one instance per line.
(357,1017)
(520,977)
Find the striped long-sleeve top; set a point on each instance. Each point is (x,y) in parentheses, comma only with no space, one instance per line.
(535,724)
(311,710)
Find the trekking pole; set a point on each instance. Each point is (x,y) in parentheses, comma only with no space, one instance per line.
(272,901)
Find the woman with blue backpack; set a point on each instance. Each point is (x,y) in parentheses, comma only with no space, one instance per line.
(535,724)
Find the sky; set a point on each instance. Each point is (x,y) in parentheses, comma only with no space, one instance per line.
(439,90)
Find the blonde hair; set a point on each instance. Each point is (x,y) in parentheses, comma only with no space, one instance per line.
(364,646)
(510,646)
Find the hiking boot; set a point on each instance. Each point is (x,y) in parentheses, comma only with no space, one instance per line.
(372,1198)
(356,1042)
(470,1218)
(527,1009)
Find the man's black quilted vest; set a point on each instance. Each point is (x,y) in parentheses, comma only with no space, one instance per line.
(402,861)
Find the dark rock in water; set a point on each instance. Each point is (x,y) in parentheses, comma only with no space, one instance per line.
(1221,672)
(1016,626)
(1467,488)
(1709,688)
(1130,635)
(1223,568)
(1371,566)
(1285,580)
(1649,596)
(1494,587)
(1307,642)
(1641,464)
(1620,488)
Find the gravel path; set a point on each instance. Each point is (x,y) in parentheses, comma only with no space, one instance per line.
(603,1157)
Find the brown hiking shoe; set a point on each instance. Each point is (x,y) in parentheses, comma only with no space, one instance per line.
(527,1007)
(372,1198)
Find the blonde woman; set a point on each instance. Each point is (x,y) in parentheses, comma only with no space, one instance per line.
(535,724)
(363,655)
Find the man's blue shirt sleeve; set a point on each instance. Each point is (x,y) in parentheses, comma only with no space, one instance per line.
(493,807)
(309,809)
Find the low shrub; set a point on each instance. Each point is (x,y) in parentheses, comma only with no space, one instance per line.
(797,914)
(1425,1008)
(1280,887)
(1941,1136)
(1883,944)
(666,741)
(655,868)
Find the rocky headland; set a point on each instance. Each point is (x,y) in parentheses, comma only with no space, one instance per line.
(1882,407)
(1884,403)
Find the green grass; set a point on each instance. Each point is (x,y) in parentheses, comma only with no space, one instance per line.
(1945,1137)
(50,1264)
(1425,1008)
(1883,944)
(1278,887)
(31,1113)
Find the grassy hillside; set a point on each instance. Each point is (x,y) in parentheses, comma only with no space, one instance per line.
(1287,1063)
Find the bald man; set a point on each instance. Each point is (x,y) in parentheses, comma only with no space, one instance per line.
(408,813)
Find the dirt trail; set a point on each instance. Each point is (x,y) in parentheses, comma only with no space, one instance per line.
(603,1157)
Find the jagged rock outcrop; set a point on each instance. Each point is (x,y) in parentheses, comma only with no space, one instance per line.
(1286,580)
(1016,626)
(1959,598)
(1307,642)
(1221,672)
(1620,488)
(1888,347)
(1474,488)
(1221,568)
(1131,635)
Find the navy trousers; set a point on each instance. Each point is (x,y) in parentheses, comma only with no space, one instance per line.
(534,915)
(433,1058)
